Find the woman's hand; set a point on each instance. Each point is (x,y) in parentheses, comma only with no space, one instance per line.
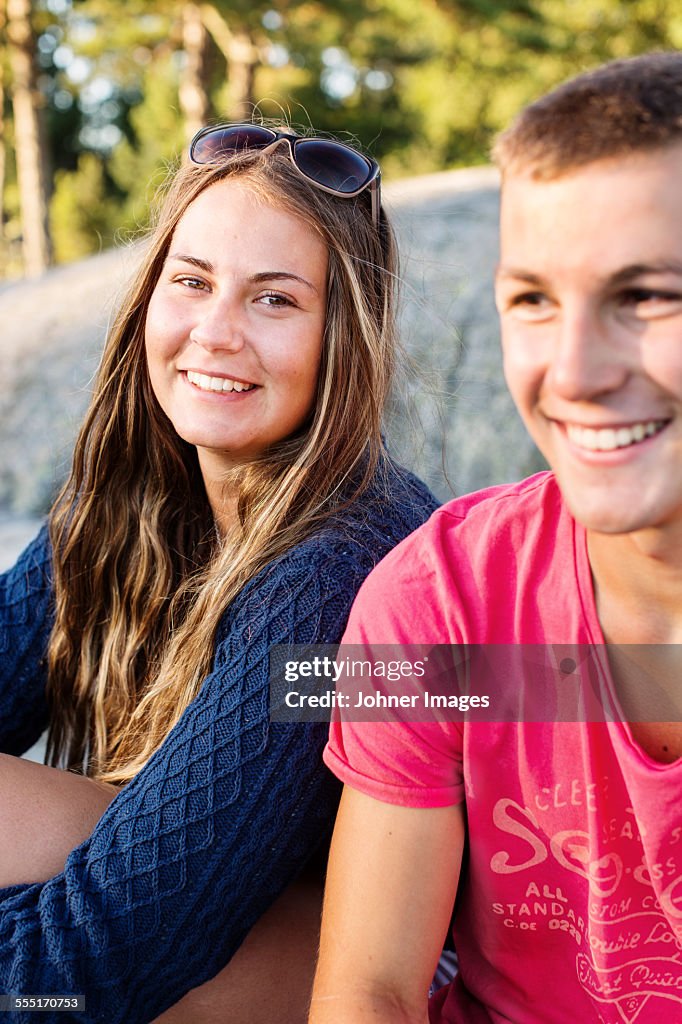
(45,813)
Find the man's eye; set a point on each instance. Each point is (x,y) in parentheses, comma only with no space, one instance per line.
(650,304)
(530,305)
(639,296)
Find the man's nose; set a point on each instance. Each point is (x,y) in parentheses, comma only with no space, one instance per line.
(588,359)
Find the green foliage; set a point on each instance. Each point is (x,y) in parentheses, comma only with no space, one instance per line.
(140,165)
(424,85)
(81,215)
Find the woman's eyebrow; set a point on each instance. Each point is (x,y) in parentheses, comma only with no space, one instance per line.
(281,275)
(266,275)
(196,261)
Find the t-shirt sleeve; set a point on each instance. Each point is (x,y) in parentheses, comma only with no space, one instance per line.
(197,846)
(26,611)
(412,763)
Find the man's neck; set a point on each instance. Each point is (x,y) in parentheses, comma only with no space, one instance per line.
(637,582)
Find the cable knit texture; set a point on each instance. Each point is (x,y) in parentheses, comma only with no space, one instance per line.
(222,817)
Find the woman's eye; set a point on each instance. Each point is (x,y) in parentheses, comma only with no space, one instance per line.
(195,283)
(275,299)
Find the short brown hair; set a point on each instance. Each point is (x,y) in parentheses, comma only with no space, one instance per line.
(622,107)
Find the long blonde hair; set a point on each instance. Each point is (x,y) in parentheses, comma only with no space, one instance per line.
(141,578)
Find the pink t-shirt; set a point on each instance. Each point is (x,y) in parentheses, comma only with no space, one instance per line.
(570,900)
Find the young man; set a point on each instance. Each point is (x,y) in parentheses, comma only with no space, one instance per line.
(569,893)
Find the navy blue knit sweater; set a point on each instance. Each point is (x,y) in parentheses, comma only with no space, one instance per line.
(223,816)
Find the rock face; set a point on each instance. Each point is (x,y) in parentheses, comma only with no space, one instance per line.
(51,336)
(466,434)
(460,430)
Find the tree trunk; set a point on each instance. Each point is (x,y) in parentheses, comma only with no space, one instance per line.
(193,94)
(242,74)
(242,58)
(3,144)
(26,104)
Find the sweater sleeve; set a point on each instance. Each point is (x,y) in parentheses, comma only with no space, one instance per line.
(25,623)
(203,839)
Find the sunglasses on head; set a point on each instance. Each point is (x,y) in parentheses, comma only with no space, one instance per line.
(327,164)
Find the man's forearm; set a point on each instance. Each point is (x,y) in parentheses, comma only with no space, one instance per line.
(350,1005)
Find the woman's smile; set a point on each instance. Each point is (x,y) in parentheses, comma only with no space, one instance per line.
(217,385)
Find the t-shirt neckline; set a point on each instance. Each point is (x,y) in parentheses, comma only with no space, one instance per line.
(619,727)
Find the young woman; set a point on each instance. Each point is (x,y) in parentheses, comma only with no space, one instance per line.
(229,492)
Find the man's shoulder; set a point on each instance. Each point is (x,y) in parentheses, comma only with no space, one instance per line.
(479,563)
(523,499)
(479,524)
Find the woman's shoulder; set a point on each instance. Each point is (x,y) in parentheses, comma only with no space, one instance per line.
(33,567)
(335,557)
(395,503)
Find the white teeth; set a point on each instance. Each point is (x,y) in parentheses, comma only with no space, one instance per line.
(607,439)
(207,383)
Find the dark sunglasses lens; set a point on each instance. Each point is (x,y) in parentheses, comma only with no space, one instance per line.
(227,141)
(332,165)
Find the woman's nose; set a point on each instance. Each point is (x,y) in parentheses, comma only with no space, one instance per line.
(220,325)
